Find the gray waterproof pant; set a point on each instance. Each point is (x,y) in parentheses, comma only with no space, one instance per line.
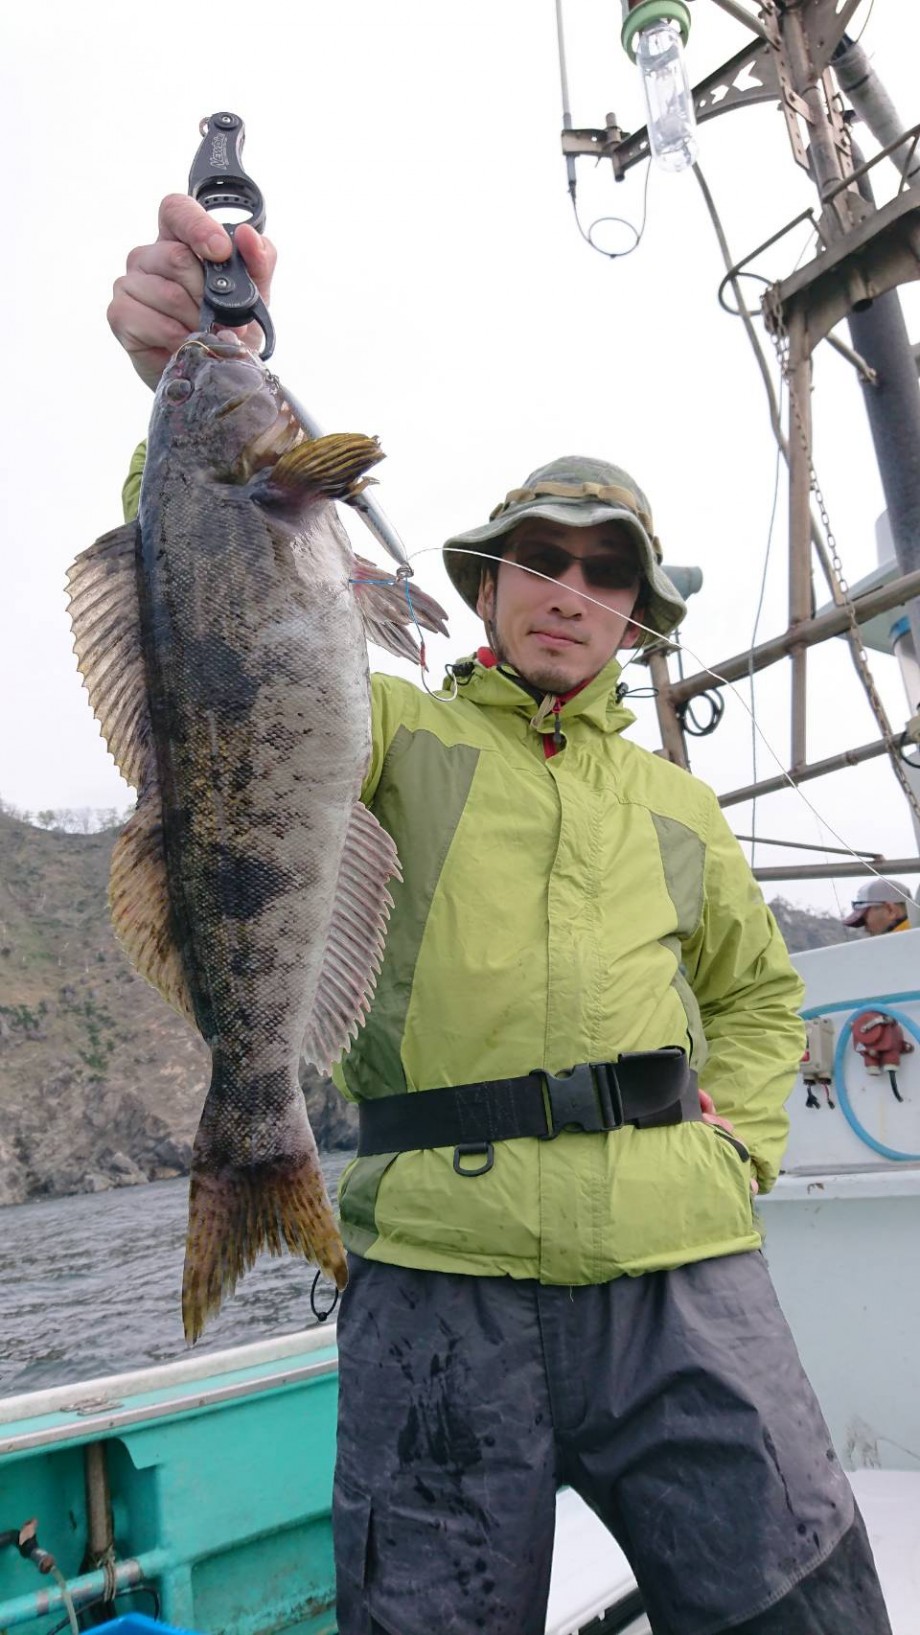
(674,1403)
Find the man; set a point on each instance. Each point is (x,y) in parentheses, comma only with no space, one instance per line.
(554,1263)
(881,906)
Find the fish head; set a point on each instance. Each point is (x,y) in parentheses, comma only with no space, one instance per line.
(217,400)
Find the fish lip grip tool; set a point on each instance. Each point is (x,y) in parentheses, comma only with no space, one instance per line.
(218,181)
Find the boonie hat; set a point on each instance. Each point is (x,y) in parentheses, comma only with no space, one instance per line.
(577,492)
(882,891)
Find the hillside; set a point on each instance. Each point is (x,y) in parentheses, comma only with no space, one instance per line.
(101,1083)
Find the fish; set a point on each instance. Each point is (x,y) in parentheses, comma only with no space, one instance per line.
(222,639)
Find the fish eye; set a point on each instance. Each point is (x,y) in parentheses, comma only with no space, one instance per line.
(178,390)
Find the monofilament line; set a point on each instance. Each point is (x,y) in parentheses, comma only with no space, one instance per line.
(490,556)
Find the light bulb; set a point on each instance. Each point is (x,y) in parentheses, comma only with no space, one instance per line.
(668,98)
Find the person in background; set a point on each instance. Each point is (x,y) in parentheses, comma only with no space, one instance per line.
(881,906)
(555,1272)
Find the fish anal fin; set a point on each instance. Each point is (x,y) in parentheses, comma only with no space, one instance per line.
(354,943)
(139,903)
(328,468)
(105,617)
(236,1213)
(389,607)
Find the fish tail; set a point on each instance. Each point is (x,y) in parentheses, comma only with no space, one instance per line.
(238,1211)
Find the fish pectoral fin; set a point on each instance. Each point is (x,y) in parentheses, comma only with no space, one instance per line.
(327,468)
(354,944)
(237,1211)
(105,617)
(139,902)
(389,608)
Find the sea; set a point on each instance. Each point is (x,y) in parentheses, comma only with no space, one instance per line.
(90,1285)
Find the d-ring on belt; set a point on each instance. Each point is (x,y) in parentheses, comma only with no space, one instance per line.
(643,1088)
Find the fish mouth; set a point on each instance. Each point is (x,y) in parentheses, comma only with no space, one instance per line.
(278,433)
(265,449)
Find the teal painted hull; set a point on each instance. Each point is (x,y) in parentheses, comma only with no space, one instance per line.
(220,1476)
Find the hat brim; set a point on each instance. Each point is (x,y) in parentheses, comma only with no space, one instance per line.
(858,917)
(465,555)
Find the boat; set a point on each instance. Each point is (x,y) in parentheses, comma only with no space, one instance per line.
(199,1491)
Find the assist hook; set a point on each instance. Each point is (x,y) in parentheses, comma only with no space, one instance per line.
(218,181)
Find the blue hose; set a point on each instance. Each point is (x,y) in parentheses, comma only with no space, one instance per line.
(908,1023)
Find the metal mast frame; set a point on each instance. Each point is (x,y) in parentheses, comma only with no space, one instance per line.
(864,252)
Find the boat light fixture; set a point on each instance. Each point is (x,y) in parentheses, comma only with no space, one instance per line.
(654,35)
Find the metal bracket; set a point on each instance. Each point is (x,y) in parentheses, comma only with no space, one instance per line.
(748,77)
(874,257)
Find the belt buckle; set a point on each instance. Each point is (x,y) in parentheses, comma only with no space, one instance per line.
(586,1098)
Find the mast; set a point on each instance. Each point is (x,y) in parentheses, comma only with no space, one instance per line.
(801,56)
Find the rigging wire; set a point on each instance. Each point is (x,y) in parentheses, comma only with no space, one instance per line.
(763,584)
(722,681)
(866,23)
(821,546)
(621,221)
(759,610)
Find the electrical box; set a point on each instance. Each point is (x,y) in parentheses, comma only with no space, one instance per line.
(820,1041)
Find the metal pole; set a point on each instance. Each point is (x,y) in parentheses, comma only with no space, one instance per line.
(825,162)
(832,623)
(672,733)
(886,867)
(879,334)
(906,655)
(800,590)
(818,769)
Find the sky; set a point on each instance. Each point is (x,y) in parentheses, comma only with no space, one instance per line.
(432,289)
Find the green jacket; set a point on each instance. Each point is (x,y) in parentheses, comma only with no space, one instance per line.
(555,911)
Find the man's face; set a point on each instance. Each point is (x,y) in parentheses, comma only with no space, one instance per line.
(546,628)
(880,917)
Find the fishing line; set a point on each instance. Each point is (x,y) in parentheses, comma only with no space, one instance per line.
(490,556)
(402,578)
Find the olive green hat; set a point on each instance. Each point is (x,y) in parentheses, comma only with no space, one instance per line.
(577,492)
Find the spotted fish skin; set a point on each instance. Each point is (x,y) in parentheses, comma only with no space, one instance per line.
(250,885)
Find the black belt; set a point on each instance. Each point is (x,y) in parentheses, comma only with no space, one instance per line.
(643,1088)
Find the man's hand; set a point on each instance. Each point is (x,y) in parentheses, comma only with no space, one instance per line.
(710,1116)
(156,303)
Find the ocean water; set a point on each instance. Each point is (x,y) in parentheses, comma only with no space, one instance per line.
(90,1285)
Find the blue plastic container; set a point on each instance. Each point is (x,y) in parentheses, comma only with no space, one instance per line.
(137,1623)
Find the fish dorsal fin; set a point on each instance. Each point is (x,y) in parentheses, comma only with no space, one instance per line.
(389,607)
(105,617)
(139,902)
(354,945)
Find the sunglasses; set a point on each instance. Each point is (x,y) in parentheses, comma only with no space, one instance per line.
(608,571)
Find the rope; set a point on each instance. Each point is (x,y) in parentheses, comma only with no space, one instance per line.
(67,1598)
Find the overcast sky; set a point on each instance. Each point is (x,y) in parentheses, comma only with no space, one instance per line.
(432,289)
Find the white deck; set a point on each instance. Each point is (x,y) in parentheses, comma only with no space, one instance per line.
(590,1572)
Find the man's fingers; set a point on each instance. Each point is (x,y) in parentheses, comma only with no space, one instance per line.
(139,328)
(181,218)
(260,255)
(169,297)
(708,1112)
